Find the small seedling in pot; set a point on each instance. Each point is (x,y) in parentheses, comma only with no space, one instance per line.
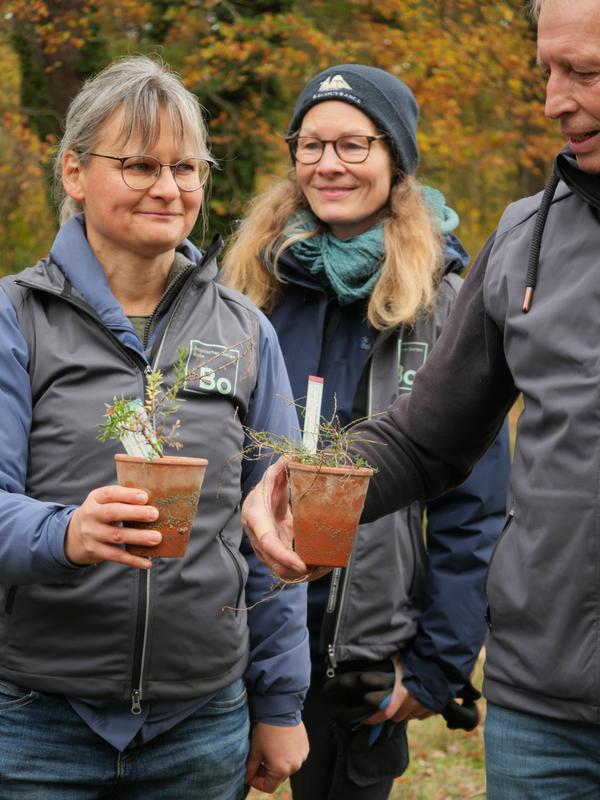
(146,427)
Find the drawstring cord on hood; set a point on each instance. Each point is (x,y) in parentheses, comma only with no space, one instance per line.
(536,241)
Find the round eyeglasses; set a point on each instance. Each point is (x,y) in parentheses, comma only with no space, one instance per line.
(350,149)
(142,172)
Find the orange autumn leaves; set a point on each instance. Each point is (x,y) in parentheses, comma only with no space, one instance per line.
(482,135)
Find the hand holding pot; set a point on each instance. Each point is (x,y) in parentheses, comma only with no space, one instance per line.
(267,519)
(93,535)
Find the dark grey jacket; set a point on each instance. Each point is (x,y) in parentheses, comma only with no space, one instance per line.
(543,585)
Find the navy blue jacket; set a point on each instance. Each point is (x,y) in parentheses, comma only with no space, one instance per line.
(428,601)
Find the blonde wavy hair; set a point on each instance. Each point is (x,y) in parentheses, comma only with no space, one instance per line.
(411,267)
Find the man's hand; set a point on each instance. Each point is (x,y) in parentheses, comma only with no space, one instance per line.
(463,715)
(267,519)
(94,533)
(401,705)
(275,754)
(352,697)
(373,697)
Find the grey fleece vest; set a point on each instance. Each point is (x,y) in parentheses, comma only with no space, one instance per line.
(543,582)
(111,631)
(377,617)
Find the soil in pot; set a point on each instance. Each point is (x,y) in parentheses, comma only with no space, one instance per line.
(173,484)
(326,503)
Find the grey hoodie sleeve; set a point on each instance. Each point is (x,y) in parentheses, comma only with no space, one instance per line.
(430,439)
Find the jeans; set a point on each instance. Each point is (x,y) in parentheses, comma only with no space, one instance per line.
(538,758)
(48,753)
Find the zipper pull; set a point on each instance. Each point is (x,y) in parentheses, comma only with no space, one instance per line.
(136,707)
(331,662)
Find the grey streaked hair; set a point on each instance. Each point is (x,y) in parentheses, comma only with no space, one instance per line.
(534,8)
(142,87)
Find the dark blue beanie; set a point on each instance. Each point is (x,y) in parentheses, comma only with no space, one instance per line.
(379,95)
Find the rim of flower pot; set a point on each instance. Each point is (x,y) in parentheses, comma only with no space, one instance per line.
(163,460)
(348,470)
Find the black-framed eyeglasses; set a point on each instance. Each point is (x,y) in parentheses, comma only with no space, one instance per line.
(142,172)
(351,149)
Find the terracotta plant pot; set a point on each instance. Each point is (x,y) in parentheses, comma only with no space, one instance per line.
(326,503)
(173,484)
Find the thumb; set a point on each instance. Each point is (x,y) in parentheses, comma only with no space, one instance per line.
(252,765)
(280,490)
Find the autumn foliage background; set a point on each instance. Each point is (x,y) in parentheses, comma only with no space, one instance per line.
(471,64)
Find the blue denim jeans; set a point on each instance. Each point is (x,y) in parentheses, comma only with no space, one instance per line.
(538,758)
(48,753)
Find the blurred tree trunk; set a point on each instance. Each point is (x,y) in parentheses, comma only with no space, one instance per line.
(58,46)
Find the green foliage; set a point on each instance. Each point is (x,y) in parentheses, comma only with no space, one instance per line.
(26,223)
(152,419)
(35,96)
(334,446)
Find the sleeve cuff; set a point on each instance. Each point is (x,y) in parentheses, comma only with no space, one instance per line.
(286,708)
(289,720)
(57,530)
(426,682)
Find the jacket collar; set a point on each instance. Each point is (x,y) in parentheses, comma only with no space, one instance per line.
(74,257)
(585,185)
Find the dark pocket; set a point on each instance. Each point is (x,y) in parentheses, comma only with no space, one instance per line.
(14,696)
(237,559)
(505,529)
(387,757)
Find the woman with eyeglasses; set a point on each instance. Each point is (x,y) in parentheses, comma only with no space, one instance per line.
(353,261)
(122,676)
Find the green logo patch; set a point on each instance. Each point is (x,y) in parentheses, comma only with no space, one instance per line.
(411,357)
(214,368)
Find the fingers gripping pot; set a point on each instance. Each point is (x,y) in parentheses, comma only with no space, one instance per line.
(326,504)
(173,485)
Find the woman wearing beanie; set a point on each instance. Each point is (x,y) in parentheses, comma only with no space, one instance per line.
(354,263)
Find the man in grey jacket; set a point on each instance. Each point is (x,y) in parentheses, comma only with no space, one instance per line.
(526,321)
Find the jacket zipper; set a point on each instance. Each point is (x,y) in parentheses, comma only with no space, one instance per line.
(143,616)
(238,569)
(141,639)
(341,578)
(507,524)
(335,603)
(170,292)
(186,276)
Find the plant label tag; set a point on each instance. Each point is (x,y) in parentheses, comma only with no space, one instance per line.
(312,413)
(134,441)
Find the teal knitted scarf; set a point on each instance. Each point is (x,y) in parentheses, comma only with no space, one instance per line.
(350,266)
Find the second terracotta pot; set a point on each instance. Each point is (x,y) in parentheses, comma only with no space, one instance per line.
(326,503)
(173,484)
